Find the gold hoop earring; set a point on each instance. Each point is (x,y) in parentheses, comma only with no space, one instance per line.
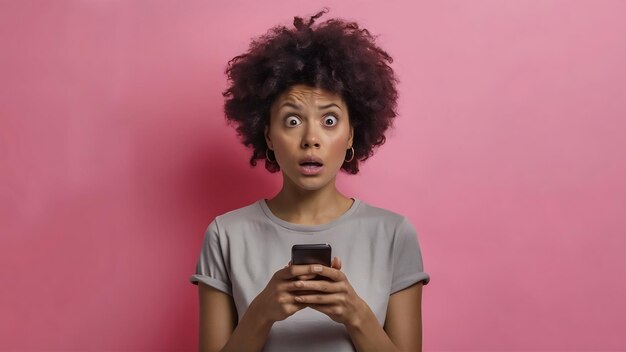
(267,156)
(352,157)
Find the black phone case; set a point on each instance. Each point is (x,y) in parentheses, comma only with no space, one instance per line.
(319,253)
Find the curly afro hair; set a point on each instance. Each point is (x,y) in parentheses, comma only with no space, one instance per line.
(337,56)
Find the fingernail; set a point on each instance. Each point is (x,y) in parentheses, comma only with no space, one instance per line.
(299,284)
(317,268)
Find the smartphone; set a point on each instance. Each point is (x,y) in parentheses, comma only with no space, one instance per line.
(319,253)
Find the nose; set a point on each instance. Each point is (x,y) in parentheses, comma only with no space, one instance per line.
(310,138)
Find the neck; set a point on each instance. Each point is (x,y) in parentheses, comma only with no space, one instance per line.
(297,205)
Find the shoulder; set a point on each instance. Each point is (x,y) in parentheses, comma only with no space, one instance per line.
(381,220)
(240,216)
(380,215)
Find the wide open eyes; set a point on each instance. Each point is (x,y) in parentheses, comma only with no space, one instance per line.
(293,121)
(330,120)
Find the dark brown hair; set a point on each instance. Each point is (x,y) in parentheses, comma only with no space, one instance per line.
(335,55)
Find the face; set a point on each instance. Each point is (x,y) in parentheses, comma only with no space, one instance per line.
(309,132)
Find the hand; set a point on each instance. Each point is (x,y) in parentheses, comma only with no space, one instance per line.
(334,296)
(276,302)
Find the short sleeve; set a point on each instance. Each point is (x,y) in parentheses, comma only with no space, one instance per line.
(211,267)
(408,267)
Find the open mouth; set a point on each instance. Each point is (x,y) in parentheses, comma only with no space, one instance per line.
(311,168)
(310,164)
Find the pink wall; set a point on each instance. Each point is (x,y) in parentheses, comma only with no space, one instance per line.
(509,158)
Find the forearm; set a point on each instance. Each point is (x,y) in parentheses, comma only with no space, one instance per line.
(367,334)
(250,333)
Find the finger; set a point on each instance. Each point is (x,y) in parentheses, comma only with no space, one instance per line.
(315,286)
(299,305)
(336,263)
(325,299)
(294,271)
(306,277)
(329,309)
(328,272)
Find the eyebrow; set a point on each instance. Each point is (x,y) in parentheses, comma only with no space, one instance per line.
(297,106)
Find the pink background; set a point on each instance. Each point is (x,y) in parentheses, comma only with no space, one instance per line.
(508,157)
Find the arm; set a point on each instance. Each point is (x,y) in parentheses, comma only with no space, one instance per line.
(367,334)
(403,326)
(218,318)
(404,318)
(218,323)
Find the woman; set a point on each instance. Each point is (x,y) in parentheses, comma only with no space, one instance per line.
(310,102)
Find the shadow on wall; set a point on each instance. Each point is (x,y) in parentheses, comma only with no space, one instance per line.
(225,181)
(219,178)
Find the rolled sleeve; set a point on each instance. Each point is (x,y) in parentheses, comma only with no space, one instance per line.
(408,268)
(211,268)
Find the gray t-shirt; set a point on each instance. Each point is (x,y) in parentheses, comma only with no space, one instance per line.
(243,248)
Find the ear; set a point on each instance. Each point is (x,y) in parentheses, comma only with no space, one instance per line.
(351,139)
(266,133)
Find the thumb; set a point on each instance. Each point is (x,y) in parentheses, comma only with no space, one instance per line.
(336,263)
